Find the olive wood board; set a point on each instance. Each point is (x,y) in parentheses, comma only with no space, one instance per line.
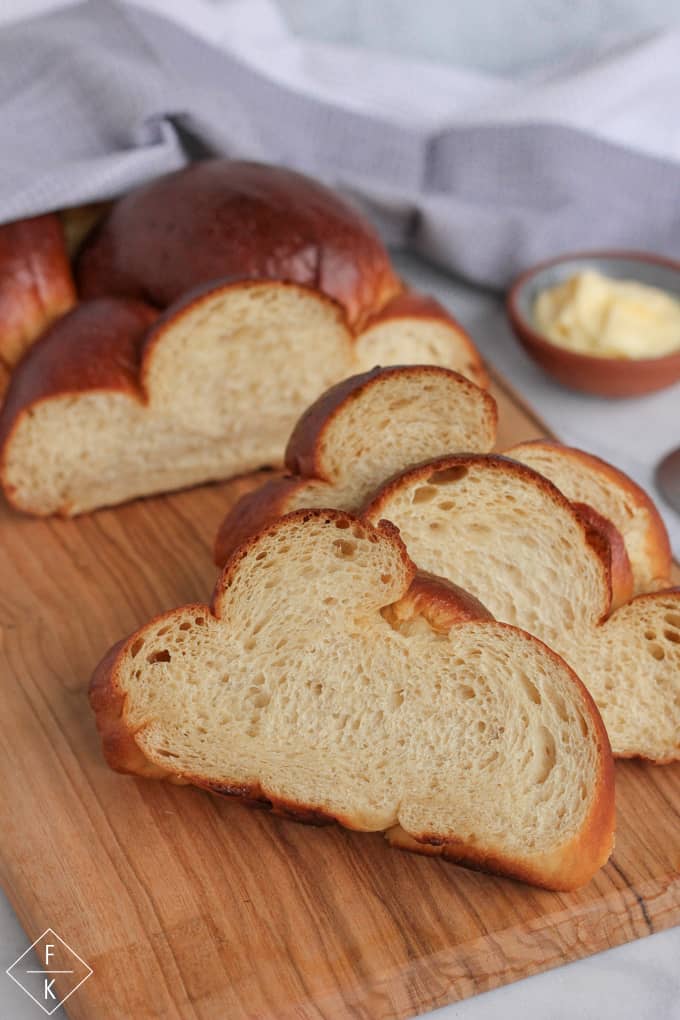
(187,905)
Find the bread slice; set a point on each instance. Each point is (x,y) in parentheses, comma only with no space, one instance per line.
(329,683)
(510,537)
(210,390)
(587,479)
(36,285)
(356,435)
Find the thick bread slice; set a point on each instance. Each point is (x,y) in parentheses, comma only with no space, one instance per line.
(587,479)
(510,537)
(414,328)
(360,432)
(36,285)
(218,384)
(368,696)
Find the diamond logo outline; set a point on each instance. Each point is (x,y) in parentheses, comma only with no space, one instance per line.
(60,1002)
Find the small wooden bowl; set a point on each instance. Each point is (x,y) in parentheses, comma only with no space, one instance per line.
(606,377)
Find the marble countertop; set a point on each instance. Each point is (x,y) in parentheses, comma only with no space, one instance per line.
(638,981)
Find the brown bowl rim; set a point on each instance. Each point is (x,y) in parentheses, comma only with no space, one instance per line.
(522,326)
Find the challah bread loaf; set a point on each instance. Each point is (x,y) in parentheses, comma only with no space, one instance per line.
(288,273)
(220,380)
(327,682)
(223,218)
(587,479)
(510,537)
(360,432)
(36,285)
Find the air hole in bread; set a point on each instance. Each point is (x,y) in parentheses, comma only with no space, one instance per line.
(386,578)
(397,699)
(546,754)
(163,631)
(672,635)
(650,635)
(330,600)
(342,524)
(673,619)
(531,689)
(448,476)
(136,647)
(162,656)
(344,549)
(185,626)
(557,701)
(199,621)
(424,494)
(167,754)
(446,505)
(467,692)
(656,651)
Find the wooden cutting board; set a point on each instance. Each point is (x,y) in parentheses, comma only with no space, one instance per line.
(187,906)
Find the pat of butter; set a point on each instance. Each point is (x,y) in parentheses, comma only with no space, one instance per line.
(593,314)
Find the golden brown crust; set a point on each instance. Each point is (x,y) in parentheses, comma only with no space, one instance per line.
(36,285)
(657,545)
(96,346)
(252,512)
(606,537)
(221,219)
(438,601)
(304,451)
(411,304)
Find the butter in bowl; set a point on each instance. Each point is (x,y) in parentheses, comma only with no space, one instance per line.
(604,323)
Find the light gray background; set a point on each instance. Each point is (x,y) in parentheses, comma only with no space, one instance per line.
(640,981)
(507,36)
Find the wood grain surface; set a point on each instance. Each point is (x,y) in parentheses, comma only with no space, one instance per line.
(188,906)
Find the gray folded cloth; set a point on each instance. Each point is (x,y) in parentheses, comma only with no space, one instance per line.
(99,97)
